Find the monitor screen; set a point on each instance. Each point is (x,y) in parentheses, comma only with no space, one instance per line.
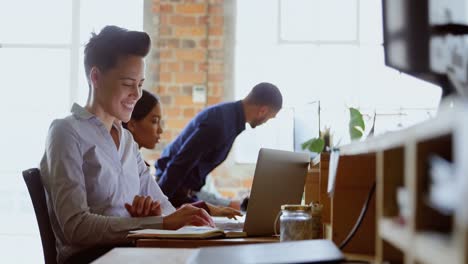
(406,35)
(406,32)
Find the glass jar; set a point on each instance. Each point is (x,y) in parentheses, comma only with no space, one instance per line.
(295,222)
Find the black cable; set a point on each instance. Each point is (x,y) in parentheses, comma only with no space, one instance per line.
(360,218)
(450,28)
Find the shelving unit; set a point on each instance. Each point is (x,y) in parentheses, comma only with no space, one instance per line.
(425,235)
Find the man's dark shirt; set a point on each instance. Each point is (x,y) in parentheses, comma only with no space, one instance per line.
(203,144)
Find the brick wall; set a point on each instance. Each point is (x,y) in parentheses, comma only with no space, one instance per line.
(189,39)
(188,49)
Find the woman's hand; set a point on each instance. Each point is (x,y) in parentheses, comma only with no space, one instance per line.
(223,211)
(187,215)
(144,206)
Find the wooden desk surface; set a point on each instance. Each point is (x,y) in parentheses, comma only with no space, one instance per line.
(196,243)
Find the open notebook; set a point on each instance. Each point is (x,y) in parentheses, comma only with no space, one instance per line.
(225,227)
(186,232)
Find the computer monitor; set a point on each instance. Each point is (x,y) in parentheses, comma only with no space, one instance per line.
(448,46)
(407,33)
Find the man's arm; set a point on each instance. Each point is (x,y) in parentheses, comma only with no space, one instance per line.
(212,198)
(66,191)
(184,161)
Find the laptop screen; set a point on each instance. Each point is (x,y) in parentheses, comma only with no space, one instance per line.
(279,179)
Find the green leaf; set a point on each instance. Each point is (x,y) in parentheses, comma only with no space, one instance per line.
(306,144)
(314,145)
(356,124)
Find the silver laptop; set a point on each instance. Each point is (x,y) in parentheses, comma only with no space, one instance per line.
(279,179)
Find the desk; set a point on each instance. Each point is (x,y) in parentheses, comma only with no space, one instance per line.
(196,243)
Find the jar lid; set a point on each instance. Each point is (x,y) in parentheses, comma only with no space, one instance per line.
(296,207)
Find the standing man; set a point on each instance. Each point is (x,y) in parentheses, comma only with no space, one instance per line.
(206,141)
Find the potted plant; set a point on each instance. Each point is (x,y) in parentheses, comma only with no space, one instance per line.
(324,141)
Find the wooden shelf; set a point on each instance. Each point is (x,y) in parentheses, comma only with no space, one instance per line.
(433,248)
(395,234)
(403,161)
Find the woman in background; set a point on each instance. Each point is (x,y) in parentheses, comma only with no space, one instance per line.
(146,127)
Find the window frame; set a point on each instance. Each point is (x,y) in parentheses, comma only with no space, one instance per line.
(354,42)
(73,48)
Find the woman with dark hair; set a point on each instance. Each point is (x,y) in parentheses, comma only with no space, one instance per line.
(146,128)
(145,123)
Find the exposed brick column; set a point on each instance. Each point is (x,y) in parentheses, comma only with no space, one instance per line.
(215,51)
(188,49)
(189,41)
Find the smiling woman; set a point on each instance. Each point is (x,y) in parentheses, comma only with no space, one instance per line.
(116,72)
(98,187)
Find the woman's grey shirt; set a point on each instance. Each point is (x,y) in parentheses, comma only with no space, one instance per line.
(88,180)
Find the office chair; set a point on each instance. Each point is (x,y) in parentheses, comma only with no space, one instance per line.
(32,178)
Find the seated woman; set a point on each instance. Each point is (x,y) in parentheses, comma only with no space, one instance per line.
(92,167)
(145,126)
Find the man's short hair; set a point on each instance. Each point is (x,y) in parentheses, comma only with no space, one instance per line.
(266,94)
(104,49)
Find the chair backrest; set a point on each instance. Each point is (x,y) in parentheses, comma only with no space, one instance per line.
(32,178)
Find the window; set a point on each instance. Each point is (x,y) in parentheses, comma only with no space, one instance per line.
(319,21)
(329,51)
(41,47)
